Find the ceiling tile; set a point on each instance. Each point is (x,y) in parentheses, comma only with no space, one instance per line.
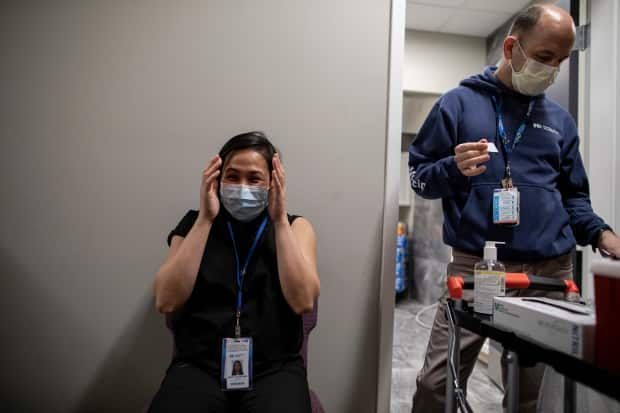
(444,3)
(428,18)
(474,23)
(508,6)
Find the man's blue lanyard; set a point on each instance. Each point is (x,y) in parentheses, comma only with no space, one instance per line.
(501,130)
(241,271)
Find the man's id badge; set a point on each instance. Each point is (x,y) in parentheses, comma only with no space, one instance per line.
(506,206)
(237,363)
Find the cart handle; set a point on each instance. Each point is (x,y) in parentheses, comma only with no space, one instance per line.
(514,280)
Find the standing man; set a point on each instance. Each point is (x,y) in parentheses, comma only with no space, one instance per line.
(497,139)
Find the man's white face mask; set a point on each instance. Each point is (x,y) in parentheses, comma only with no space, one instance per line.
(534,77)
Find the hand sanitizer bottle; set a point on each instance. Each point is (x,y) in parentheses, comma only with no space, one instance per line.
(489,279)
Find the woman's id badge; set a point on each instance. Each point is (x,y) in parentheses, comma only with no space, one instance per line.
(506,206)
(237,363)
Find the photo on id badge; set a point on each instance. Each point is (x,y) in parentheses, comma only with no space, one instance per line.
(237,364)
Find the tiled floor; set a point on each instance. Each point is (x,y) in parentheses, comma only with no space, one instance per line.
(410,340)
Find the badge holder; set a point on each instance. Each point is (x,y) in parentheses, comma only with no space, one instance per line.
(506,202)
(237,363)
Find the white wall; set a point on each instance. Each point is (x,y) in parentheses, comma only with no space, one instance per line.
(602,105)
(416,107)
(437,62)
(109,111)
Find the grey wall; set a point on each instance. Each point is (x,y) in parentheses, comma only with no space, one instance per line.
(109,111)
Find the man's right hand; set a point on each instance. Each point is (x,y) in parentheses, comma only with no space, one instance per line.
(209,201)
(469,157)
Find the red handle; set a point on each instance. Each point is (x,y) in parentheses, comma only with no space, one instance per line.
(455,287)
(514,280)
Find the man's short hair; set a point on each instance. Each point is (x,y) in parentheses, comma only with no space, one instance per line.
(526,20)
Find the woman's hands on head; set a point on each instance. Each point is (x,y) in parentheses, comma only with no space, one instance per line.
(209,201)
(277,192)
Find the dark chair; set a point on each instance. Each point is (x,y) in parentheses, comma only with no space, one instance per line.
(310,320)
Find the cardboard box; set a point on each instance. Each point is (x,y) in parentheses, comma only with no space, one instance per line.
(559,325)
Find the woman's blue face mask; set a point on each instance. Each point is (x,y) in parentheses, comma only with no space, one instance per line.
(244,202)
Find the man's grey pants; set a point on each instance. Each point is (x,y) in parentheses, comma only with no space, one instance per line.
(431,381)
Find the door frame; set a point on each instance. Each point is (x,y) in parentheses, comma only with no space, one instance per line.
(390,203)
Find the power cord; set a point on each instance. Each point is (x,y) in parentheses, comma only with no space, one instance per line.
(422,311)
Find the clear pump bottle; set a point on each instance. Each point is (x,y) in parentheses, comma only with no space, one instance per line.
(489,279)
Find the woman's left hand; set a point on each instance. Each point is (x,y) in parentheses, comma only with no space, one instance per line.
(277,192)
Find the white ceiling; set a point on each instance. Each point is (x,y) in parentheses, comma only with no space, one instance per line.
(468,17)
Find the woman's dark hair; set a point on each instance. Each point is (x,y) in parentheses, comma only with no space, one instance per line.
(238,363)
(255,140)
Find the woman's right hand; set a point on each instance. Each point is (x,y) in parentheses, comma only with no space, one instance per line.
(209,201)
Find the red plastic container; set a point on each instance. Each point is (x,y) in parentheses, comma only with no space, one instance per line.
(607,296)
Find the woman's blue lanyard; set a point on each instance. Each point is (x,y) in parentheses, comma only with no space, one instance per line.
(241,271)
(501,130)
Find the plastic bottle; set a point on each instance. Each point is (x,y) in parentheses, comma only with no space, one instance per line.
(401,258)
(489,279)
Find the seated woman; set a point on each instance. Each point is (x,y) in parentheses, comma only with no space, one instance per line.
(234,285)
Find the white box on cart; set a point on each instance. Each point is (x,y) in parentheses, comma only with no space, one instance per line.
(560,325)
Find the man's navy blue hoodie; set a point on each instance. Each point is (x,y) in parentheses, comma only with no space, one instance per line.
(546,168)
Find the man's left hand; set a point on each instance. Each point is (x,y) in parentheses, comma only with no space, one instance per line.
(609,244)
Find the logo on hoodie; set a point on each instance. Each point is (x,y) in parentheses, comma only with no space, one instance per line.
(544,127)
(415,182)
